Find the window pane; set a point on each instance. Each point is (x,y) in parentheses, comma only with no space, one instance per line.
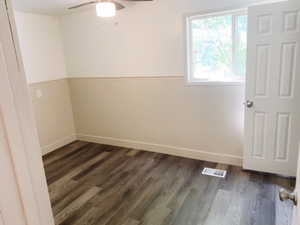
(241,46)
(212,48)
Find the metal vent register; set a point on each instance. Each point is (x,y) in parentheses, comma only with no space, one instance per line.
(214,172)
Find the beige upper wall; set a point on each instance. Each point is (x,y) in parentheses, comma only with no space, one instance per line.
(41,46)
(146,38)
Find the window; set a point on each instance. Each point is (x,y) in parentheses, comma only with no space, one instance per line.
(217,47)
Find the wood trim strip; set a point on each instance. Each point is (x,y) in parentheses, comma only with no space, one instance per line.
(109,77)
(129,77)
(166,149)
(58,144)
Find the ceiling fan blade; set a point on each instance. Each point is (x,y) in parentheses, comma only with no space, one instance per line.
(119,6)
(83,4)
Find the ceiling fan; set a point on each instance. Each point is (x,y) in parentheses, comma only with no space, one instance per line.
(105,8)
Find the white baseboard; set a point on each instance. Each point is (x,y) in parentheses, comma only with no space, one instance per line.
(166,149)
(58,144)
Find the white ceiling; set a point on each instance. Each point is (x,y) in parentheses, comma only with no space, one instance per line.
(60,7)
(51,7)
(56,7)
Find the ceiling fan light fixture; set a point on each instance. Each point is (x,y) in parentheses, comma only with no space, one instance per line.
(106,9)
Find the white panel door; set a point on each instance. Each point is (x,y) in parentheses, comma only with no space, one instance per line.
(11,207)
(17,199)
(20,145)
(272,112)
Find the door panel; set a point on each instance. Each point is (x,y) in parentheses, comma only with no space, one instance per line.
(287,69)
(259,140)
(282,136)
(1,219)
(262,72)
(10,202)
(273,85)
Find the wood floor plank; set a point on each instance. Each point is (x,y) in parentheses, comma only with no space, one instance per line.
(89,218)
(103,166)
(132,201)
(145,200)
(234,212)
(60,192)
(92,184)
(75,205)
(156,215)
(130,221)
(219,208)
(133,152)
(190,174)
(72,195)
(133,184)
(68,176)
(59,169)
(62,152)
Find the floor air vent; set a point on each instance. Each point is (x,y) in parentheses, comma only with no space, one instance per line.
(214,172)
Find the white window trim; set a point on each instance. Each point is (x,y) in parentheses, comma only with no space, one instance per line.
(189,79)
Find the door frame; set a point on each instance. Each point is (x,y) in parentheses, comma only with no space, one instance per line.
(21,131)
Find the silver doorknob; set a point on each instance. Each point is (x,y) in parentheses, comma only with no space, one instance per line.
(248,104)
(286,195)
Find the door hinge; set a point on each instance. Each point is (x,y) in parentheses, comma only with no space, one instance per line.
(286,195)
(6,5)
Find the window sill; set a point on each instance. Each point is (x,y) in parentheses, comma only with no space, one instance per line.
(215,83)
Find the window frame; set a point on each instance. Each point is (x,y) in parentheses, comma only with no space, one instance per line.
(190,80)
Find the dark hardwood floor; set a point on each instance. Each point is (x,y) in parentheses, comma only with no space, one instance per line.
(92,184)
